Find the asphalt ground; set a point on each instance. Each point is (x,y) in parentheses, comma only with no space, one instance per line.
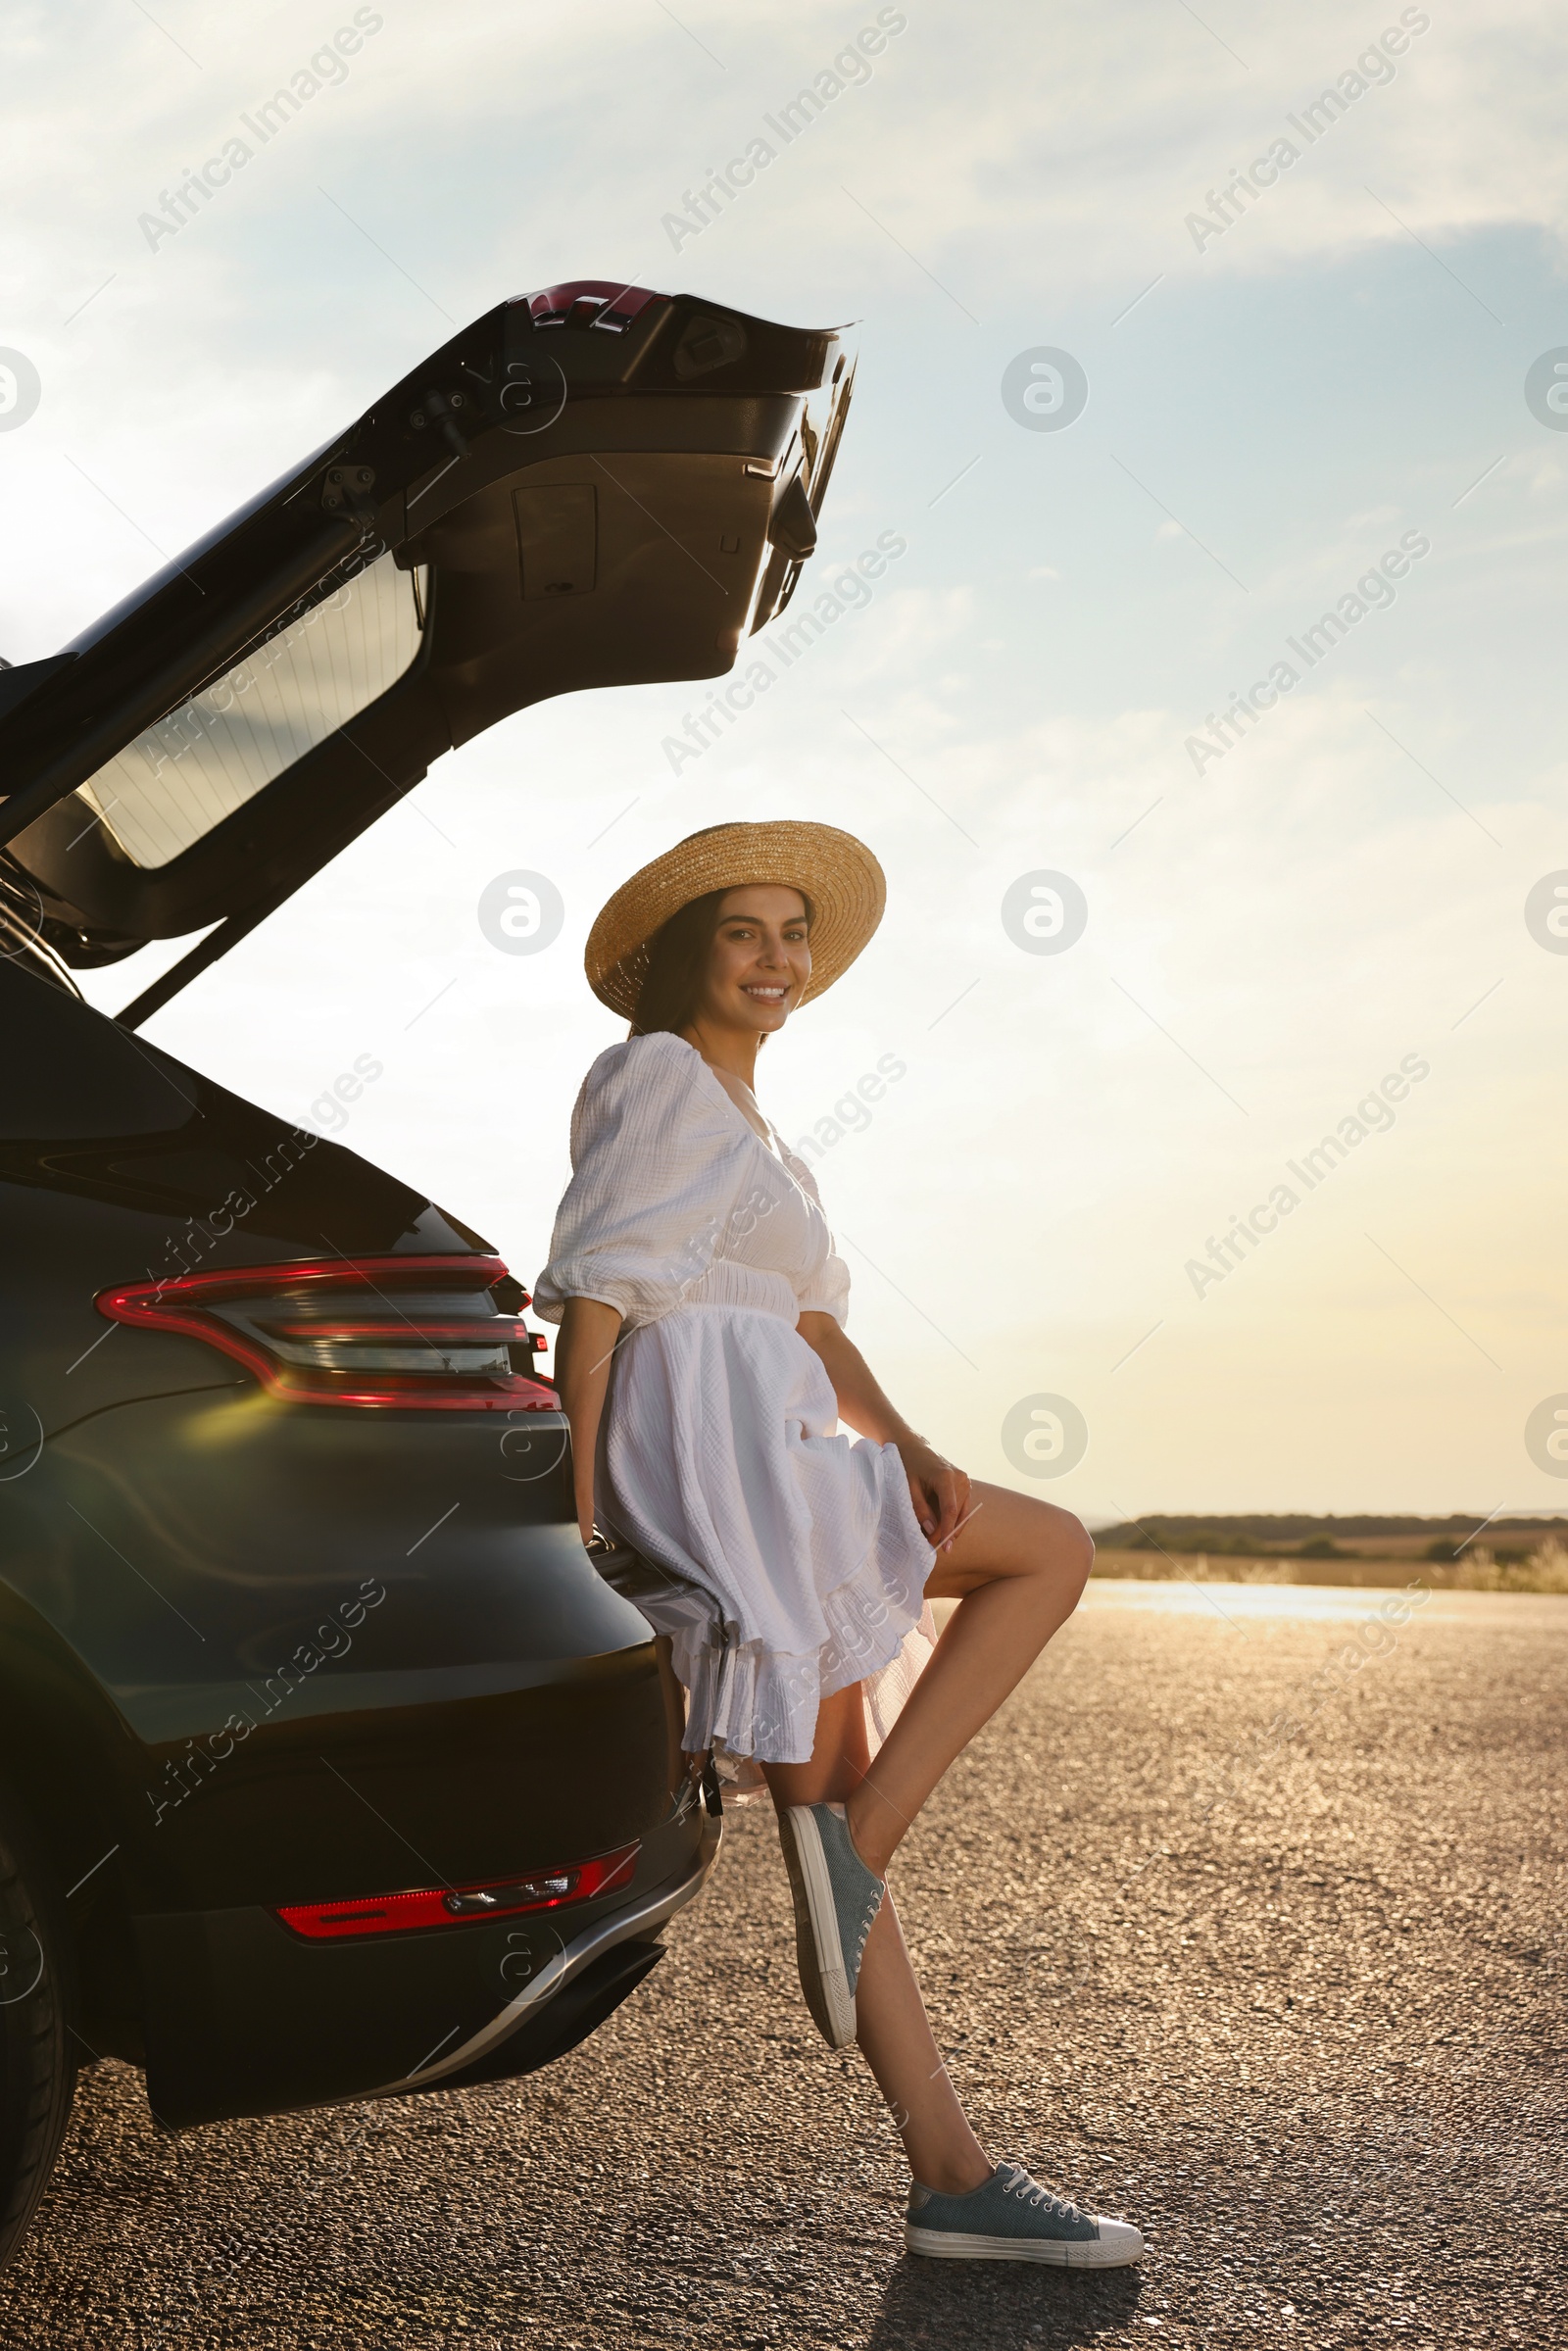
(1246,1919)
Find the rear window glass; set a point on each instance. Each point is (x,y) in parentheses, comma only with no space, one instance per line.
(203,761)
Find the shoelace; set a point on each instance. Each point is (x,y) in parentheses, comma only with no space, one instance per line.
(869,1922)
(1030,2192)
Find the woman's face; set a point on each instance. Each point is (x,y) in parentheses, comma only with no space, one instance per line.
(760,959)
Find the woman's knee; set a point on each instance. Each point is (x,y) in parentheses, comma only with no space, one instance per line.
(1066,1553)
(1017,1537)
(1083,1551)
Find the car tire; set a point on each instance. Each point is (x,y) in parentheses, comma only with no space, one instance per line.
(37,2060)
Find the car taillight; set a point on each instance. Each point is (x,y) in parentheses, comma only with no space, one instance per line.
(456,1906)
(589,302)
(420,1333)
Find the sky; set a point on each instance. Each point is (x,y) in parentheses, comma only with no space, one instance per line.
(1315,921)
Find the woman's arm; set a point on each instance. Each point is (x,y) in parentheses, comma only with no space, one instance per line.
(589,1331)
(939,1492)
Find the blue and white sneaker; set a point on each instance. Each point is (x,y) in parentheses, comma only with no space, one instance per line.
(1010,2217)
(836,1902)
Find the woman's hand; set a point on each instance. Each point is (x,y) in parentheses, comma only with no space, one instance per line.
(939,1492)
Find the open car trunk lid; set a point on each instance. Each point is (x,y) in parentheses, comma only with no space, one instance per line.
(594,485)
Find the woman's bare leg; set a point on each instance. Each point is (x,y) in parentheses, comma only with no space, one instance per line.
(891,2025)
(894,2037)
(1017,1566)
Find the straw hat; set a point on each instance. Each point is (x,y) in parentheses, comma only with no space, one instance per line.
(843,880)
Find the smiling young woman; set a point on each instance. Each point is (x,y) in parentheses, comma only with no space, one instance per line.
(704,1366)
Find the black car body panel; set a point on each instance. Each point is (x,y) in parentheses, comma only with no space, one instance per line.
(119,1162)
(256,1654)
(245,2018)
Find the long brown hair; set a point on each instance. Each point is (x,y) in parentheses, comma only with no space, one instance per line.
(677,959)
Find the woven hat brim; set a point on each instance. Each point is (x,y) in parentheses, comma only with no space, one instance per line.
(838,874)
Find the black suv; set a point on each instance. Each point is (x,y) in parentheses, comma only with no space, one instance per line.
(331,1766)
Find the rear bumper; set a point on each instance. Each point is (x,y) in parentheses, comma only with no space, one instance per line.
(481,2056)
(244,2018)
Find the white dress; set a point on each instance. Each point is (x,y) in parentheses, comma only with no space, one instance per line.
(719,1455)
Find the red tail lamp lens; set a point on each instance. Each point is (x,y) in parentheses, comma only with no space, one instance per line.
(421,1334)
(590,302)
(459,1905)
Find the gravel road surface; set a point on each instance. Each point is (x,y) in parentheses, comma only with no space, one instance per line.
(1246,1919)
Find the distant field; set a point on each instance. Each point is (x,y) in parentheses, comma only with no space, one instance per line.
(1376,1561)
(1462,1553)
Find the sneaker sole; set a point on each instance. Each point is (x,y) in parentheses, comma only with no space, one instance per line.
(1062,2253)
(816,1929)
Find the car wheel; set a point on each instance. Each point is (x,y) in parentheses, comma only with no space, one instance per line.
(37,2064)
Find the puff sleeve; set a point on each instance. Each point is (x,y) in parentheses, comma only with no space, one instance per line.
(828,1292)
(656,1165)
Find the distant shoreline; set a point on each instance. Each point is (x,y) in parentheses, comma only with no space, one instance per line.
(1545,1571)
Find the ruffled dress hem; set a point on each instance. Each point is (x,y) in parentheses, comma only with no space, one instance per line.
(747,1700)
